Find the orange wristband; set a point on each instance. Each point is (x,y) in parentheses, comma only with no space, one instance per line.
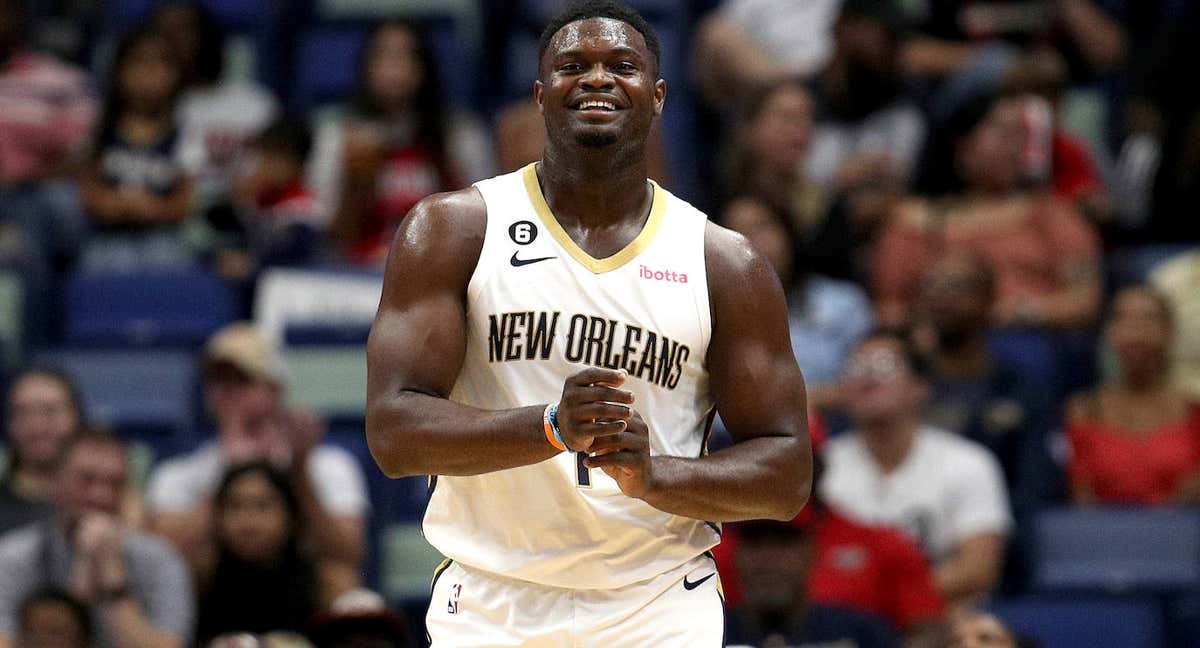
(549,428)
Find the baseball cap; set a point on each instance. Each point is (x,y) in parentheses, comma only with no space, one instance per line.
(241,346)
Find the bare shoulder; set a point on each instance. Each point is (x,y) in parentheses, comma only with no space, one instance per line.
(441,235)
(735,265)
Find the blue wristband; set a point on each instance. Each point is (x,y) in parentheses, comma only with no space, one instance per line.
(554,426)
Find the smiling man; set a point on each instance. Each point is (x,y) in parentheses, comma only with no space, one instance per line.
(551,348)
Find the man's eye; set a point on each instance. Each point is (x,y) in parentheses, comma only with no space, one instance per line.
(625,67)
(570,67)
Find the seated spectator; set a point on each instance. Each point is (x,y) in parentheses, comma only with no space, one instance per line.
(1178,280)
(399,143)
(244,391)
(135,585)
(360,619)
(825,316)
(47,108)
(982,630)
(1136,439)
(868,134)
(279,221)
(945,491)
(873,569)
(44,411)
(744,44)
(52,618)
(973,391)
(260,580)
(135,192)
(1045,255)
(776,558)
(218,116)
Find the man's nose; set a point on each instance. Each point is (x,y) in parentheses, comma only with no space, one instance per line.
(597,76)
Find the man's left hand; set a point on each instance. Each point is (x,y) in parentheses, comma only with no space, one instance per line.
(625,457)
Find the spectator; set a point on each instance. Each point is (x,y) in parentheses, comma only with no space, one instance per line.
(1045,255)
(244,390)
(974,391)
(135,191)
(52,618)
(946,491)
(279,221)
(1136,438)
(47,108)
(261,579)
(399,143)
(777,558)
(982,630)
(134,584)
(359,620)
(1178,280)
(744,44)
(44,411)
(868,134)
(218,116)
(825,316)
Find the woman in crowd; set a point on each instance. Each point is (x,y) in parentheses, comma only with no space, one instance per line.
(135,191)
(44,410)
(1136,438)
(257,577)
(1045,255)
(399,143)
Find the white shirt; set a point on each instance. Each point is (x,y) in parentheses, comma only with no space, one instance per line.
(216,125)
(947,489)
(181,484)
(798,34)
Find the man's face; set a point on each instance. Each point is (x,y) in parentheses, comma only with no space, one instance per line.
(599,85)
(880,385)
(92,479)
(248,416)
(980,631)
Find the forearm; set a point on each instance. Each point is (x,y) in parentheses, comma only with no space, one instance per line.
(132,630)
(763,477)
(331,538)
(417,434)
(1098,36)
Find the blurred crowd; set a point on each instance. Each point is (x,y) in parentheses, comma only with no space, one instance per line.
(982,213)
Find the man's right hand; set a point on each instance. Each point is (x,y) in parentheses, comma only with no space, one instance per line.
(593,406)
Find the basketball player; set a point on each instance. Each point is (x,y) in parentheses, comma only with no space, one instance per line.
(552,346)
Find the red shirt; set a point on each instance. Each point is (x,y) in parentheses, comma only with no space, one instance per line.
(1134,468)
(408,175)
(1074,173)
(871,569)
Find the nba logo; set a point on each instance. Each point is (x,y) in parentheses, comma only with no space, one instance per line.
(452,603)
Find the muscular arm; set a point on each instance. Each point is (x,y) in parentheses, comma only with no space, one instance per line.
(759,393)
(416,349)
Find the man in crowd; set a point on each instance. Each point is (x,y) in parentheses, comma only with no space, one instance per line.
(135,585)
(944,490)
(244,390)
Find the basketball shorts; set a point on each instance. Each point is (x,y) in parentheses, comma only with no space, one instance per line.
(682,608)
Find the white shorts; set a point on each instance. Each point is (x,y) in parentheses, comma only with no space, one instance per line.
(684,607)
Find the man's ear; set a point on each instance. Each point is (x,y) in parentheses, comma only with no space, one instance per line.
(537,95)
(660,96)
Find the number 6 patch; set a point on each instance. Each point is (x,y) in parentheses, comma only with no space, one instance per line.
(522,232)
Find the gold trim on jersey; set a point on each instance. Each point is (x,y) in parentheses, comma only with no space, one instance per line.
(625,255)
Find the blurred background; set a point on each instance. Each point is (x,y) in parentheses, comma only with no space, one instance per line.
(984,214)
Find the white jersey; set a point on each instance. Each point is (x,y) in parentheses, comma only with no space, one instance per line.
(539,309)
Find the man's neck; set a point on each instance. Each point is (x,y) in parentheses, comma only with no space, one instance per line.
(594,187)
(889,442)
(964,360)
(33,484)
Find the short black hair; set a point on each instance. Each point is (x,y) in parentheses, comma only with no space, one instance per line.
(602,9)
(287,135)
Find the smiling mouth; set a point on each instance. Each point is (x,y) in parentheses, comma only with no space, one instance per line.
(593,104)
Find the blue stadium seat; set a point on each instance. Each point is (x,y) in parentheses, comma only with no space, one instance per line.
(1117,550)
(176,308)
(1084,623)
(326,68)
(148,395)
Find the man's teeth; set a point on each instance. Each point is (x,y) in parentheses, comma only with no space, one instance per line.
(597,104)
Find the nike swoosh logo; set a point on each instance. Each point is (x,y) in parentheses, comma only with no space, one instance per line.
(691,585)
(517,263)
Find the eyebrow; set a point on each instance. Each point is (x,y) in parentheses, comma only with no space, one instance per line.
(620,50)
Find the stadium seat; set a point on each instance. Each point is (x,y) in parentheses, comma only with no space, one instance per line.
(326,65)
(1084,622)
(1117,550)
(180,308)
(329,380)
(149,395)
(316,302)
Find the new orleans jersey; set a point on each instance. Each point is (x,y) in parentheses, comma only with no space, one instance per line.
(539,309)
